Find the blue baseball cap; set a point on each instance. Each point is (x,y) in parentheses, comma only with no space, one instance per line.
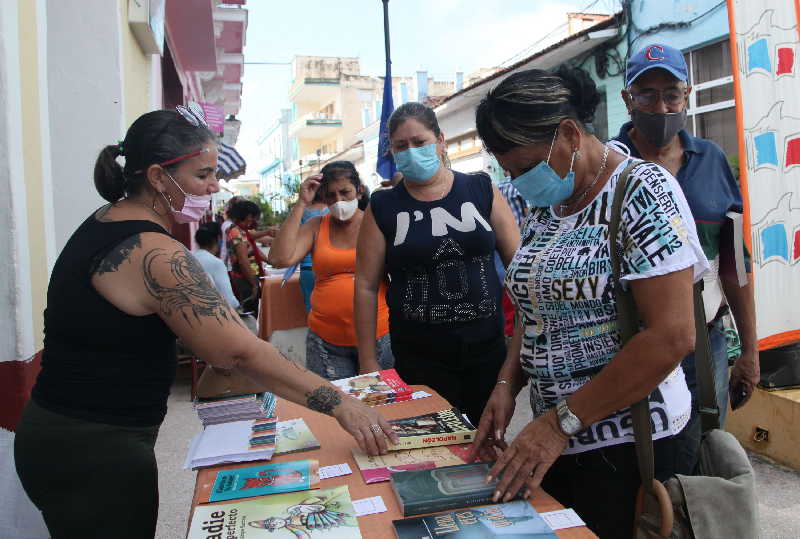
(654,56)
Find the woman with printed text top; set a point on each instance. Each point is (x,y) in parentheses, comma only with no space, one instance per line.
(330,239)
(435,235)
(120,292)
(579,446)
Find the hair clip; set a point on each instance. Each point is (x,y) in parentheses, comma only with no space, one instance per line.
(121,147)
(193,114)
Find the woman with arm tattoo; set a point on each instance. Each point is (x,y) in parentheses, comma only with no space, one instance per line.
(120,292)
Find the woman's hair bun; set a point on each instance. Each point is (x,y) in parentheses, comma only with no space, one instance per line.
(108,176)
(584,96)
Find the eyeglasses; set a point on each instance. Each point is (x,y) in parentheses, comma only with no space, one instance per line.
(649,98)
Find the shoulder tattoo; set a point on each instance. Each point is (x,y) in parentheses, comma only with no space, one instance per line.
(118,254)
(323,399)
(191,294)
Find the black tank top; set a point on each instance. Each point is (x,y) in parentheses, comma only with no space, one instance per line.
(440,258)
(99,363)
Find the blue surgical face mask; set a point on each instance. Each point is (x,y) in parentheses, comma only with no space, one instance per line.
(418,164)
(542,186)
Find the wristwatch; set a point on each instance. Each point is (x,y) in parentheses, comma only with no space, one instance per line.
(569,422)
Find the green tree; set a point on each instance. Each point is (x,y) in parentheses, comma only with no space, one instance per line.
(268,217)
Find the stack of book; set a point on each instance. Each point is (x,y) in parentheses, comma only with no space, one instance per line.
(238,408)
(236,441)
(379,387)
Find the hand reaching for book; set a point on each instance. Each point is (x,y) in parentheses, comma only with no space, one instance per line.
(492,428)
(366,425)
(529,457)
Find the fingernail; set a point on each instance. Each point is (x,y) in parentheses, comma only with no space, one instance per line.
(496,496)
(498,435)
(488,479)
(527,494)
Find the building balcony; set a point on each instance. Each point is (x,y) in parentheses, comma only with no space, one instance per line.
(315,125)
(314,91)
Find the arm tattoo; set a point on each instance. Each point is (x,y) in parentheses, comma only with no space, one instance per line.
(117,255)
(192,295)
(323,399)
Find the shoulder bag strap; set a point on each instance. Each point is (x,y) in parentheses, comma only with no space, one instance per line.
(628,326)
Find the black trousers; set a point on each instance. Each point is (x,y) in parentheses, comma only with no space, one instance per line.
(601,484)
(461,371)
(90,480)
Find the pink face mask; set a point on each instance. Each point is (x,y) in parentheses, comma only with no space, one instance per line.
(194,206)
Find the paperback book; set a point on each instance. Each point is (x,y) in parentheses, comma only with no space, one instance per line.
(214,411)
(445,427)
(261,480)
(236,441)
(380,467)
(441,489)
(317,514)
(293,435)
(513,520)
(379,387)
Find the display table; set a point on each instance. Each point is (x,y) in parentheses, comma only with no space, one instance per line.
(336,445)
(281,307)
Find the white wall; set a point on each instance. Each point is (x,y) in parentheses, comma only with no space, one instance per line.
(85,98)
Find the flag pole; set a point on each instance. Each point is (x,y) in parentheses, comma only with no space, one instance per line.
(385,165)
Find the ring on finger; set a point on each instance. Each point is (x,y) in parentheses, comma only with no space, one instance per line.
(376,429)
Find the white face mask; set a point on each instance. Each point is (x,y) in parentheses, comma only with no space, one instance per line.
(344,209)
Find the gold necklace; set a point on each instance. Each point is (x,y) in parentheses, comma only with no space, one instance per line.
(563,207)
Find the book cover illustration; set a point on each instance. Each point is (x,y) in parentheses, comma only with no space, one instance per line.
(513,520)
(375,388)
(262,480)
(380,467)
(445,427)
(426,491)
(294,435)
(316,514)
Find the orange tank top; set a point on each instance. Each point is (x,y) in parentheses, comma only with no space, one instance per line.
(331,315)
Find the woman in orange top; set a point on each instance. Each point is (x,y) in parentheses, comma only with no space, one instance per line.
(331,347)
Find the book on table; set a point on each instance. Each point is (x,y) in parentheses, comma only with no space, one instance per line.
(375,388)
(236,441)
(380,467)
(252,481)
(445,427)
(213,411)
(440,489)
(294,435)
(512,520)
(317,514)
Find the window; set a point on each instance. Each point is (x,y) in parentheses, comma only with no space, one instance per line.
(712,108)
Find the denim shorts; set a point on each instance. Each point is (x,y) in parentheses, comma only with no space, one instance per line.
(334,362)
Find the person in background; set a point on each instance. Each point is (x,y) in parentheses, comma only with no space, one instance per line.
(317,208)
(331,346)
(226,224)
(207,238)
(120,292)
(579,444)
(519,208)
(656,95)
(434,234)
(244,256)
(363,198)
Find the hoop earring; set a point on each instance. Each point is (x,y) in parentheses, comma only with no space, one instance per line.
(154,207)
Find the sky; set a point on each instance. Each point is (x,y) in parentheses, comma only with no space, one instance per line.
(440,36)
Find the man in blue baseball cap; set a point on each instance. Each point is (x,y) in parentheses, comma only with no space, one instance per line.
(656,94)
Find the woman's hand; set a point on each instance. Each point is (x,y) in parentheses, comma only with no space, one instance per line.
(309,188)
(494,421)
(366,425)
(529,457)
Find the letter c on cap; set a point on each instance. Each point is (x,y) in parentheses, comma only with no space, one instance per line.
(654,57)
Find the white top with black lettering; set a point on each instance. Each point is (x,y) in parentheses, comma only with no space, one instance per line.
(560,280)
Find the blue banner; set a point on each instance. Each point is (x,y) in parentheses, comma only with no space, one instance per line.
(385,166)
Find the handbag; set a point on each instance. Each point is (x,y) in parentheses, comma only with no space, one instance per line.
(720,500)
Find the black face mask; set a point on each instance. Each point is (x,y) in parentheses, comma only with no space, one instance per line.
(658,128)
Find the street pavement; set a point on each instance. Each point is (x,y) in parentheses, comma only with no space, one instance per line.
(778,488)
